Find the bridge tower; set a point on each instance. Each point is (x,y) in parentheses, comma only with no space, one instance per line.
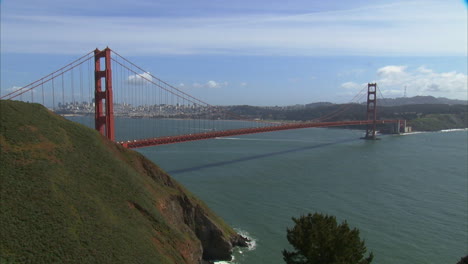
(104,110)
(371,110)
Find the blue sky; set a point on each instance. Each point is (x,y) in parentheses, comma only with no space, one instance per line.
(254,52)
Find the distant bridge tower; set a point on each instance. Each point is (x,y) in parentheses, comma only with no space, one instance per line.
(371,110)
(104,110)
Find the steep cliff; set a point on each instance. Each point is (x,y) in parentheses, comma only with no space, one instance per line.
(68,195)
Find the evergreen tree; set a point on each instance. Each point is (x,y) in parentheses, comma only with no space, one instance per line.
(463,260)
(318,239)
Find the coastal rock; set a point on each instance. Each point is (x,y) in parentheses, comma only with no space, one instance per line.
(192,216)
(239,241)
(216,245)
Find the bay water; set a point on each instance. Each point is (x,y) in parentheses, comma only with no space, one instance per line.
(407,194)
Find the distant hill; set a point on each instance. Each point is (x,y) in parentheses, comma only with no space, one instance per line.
(68,195)
(318,104)
(404,101)
(422,117)
(419,100)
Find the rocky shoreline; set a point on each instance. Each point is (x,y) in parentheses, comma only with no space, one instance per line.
(190,215)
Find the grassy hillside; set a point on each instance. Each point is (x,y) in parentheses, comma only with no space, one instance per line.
(436,122)
(68,195)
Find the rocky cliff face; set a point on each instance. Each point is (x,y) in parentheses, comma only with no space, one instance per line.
(189,214)
(70,195)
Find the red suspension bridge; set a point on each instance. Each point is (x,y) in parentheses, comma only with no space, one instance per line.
(107,85)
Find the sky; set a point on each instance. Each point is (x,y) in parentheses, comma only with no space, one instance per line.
(256,52)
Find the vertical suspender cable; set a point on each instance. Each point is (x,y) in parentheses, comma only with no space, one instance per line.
(63,91)
(197,120)
(42,88)
(53,93)
(115,86)
(162,120)
(173,106)
(184,124)
(90,86)
(81,85)
(140,93)
(72,88)
(153,101)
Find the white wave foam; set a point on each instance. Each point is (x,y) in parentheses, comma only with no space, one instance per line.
(412,133)
(453,130)
(440,131)
(251,245)
(226,262)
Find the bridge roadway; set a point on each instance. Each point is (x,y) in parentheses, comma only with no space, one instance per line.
(140,143)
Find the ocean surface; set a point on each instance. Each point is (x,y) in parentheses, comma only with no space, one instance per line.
(407,194)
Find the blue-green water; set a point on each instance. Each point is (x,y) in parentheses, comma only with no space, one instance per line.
(408,195)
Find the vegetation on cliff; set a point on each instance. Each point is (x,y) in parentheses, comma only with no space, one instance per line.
(68,195)
(437,122)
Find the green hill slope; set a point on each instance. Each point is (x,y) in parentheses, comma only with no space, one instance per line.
(68,195)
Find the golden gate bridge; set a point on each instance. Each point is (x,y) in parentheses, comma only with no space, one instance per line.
(105,84)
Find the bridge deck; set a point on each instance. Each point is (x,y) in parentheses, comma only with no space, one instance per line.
(235,132)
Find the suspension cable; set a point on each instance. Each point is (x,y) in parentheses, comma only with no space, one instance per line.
(194,99)
(342,109)
(41,79)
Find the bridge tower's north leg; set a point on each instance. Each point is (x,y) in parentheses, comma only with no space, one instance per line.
(371,110)
(104,108)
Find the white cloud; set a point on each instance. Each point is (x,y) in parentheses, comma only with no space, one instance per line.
(423,69)
(399,28)
(393,75)
(138,79)
(393,80)
(4,92)
(211,84)
(391,70)
(243,84)
(13,88)
(426,81)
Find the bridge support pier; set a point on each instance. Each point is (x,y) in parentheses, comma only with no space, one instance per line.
(398,127)
(104,106)
(403,127)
